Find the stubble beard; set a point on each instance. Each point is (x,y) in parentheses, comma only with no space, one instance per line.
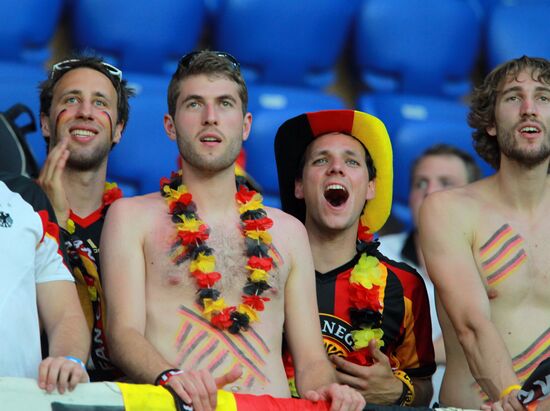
(207,163)
(87,160)
(525,157)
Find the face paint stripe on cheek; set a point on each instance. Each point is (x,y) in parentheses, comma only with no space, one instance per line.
(110,122)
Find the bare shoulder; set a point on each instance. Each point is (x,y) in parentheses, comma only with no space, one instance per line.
(132,206)
(285,222)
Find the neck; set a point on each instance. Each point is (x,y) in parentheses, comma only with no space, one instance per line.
(522,188)
(213,193)
(84,190)
(331,249)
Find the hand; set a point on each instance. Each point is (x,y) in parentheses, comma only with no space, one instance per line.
(341,397)
(376,382)
(200,388)
(60,372)
(506,403)
(51,182)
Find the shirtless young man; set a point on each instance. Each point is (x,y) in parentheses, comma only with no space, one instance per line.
(220,336)
(336,173)
(83,111)
(490,238)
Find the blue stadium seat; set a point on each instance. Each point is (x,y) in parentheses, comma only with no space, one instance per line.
(395,110)
(517,30)
(27,28)
(285,41)
(417,46)
(409,143)
(138,35)
(270,107)
(145,153)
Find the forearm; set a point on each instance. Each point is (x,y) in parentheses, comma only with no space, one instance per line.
(423,391)
(315,375)
(136,356)
(70,337)
(488,359)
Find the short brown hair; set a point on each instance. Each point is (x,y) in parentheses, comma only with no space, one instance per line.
(210,63)
(482,107)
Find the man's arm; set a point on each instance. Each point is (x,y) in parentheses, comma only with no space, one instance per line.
(315,375)
(68,336)
(446,235)
(124,276)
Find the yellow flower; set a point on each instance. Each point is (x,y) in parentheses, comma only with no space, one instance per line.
(70,226)
(212,307)
(253,204)
(108,185)
(361,338)
(248,310)
(367,272)
(258,275)
(259,235)
(189,224)
(203,263)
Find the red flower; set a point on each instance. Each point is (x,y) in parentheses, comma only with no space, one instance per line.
(163,182)
(255,301)
(184,199)
(222,320)
(264,223)
(190,237)
(360,357)
(364,234)
(111,195)
(206,280)
(245,195)
(362,297)
(261,263)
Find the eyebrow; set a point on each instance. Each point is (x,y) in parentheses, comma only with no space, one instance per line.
(518,88)
(201,98)
(79,93)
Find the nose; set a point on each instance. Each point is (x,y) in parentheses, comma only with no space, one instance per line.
(335,167)
(528,107)
(210,116)
(84,109)
(431,187)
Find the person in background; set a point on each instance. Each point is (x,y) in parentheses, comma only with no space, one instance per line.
(439,167)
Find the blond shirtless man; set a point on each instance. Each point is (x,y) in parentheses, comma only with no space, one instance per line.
(188,307)
(486,245)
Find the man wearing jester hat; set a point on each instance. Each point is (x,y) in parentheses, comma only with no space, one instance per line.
(335,175)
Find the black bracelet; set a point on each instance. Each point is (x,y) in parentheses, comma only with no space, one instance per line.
(165,376)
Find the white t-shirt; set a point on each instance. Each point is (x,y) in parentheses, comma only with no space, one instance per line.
(28,255)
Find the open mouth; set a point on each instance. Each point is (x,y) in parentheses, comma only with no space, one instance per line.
(336,194)
(210,139)
(529,130)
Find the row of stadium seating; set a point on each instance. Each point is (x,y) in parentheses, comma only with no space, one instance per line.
(415,58)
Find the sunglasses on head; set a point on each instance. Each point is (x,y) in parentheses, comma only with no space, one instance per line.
(187,58)
(69,64)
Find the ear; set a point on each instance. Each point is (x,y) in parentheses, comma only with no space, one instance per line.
(247,124)
(169,127)
(492,131)
(118,133)
(299,189)
(45,125)
(371,189)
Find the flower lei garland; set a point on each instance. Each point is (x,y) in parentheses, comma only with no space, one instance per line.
(111,193)
(365,282)
(190,243)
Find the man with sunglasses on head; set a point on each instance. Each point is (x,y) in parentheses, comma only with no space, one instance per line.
(83,111)
(201,278)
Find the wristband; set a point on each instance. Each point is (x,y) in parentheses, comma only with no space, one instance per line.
(76,360)
(166,375)
(509,389)
(407,397)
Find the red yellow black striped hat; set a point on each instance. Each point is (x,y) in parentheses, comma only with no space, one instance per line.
(294,136)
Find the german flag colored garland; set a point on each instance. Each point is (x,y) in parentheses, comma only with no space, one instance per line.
(366,279)
(192,235)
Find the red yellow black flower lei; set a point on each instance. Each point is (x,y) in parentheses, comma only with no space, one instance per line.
(192,234)
(366,303)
